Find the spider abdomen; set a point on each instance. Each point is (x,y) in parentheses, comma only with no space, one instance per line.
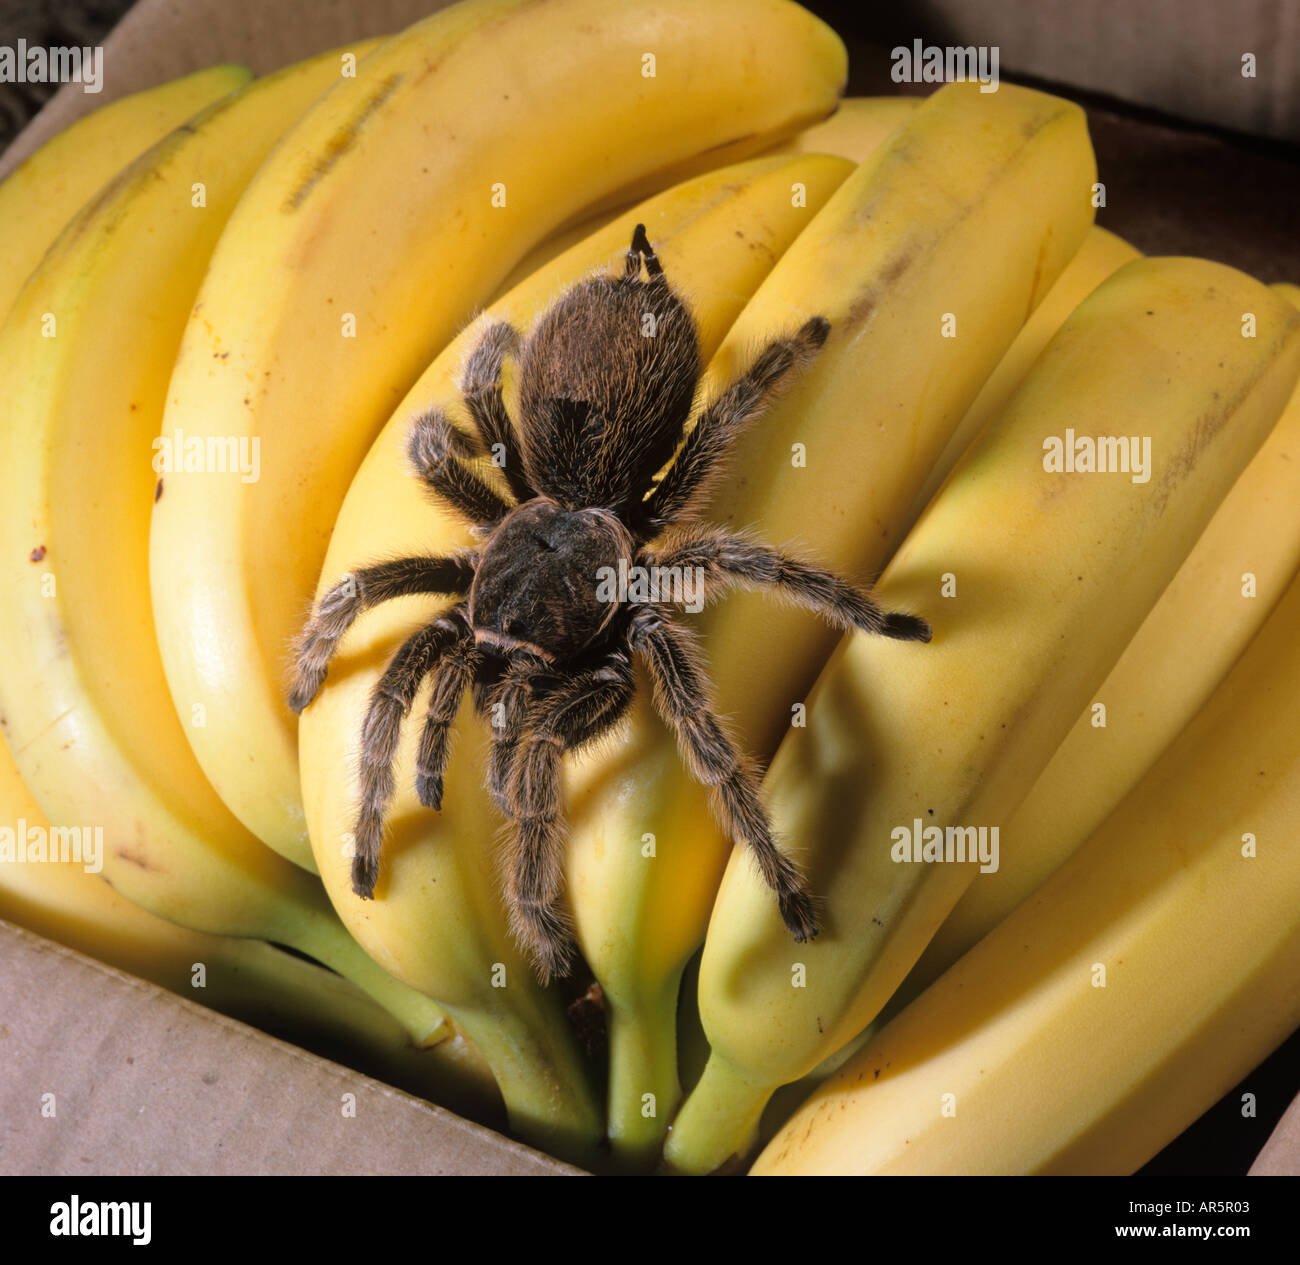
(606,384)
(537,587)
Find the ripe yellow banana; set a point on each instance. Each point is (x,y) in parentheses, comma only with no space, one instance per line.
(437,920)
(856,130)
(388,214)
(85,355)
(973,208)
(39,197)
(1033,580)
(1153,971)
(1101,254)
(249,980)
(853,132)
(1205,618)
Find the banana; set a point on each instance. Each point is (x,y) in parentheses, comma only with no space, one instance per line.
(1101,254)
(248,980)
(391,211)
(856,130)
(85,355)
(1238,569)
(853,131)
(437,919)
(1154,970)
(1000,180)
(41,195)
(1033,580)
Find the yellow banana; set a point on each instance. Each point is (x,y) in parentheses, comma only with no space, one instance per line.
(853,132)
(1100,255)
(1153,971)
(249,980)
(390,212)
(1212,608)
(437,920)
(856,130)
(1033,580)
(85,355)
(830,471)
(39,197)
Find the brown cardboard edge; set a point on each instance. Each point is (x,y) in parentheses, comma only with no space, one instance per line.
(1280,1156)
(143,1082)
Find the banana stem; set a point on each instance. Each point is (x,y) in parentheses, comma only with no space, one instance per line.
(644,1088)
(322,936)
(719,1121)
(547,1089)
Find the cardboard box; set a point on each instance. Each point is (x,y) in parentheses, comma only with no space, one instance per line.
(147,1082)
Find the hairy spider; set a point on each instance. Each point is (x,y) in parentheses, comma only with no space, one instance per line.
(546,652)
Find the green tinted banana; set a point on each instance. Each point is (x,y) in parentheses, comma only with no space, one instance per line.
(249,980)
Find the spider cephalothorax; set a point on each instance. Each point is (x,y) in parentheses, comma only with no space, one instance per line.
(606,383)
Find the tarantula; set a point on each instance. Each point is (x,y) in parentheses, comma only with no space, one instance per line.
(602,408)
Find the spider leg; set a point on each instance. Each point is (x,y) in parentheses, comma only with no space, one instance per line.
(451,677)
(507,707)
(639,250)
(681,698)
(433,448)
(390,701)
(585,706)
(359,592)
(724,419)
(481,387)
(724,557)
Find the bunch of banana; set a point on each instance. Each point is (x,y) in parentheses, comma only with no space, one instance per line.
(385,217)
(1123,999)
(1100,255)
(1238,570)
(85,355)
(249,980)
(437,920)
(40,196)
(968,212)
(1044,573)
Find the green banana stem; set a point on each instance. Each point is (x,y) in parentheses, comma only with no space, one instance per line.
(719,1121)
(644,1088)
(547,1087)
(320,934)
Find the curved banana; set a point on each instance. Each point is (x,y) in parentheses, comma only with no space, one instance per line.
(1101,254)
(249,980)
(855,131)
(828,471)
(1153,971)
(86,353)
(41,195)
(387,215)
(1216,603)
(1017,565)
(437,920)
